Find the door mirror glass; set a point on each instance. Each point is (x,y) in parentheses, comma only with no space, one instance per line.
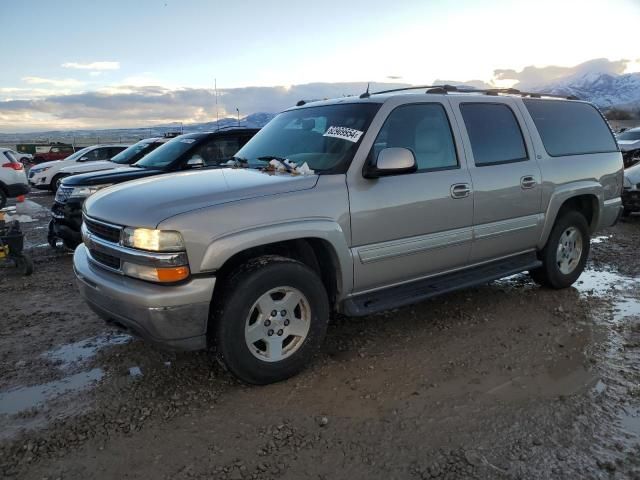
(83,159)
(392,161)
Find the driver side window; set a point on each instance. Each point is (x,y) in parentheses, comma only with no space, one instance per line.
(424,129)
(214,152)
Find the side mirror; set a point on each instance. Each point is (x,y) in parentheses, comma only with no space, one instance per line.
(83,159)
(195,162)
(392,161)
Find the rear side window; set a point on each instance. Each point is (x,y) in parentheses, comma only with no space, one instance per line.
(570,128)
(494,133)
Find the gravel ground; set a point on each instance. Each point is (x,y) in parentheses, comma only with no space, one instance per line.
(506,380)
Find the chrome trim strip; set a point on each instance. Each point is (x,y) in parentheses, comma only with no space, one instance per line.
(106,224)
(493,229)
(412,245)
(139,257)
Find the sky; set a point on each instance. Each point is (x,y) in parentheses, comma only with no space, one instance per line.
(92,64)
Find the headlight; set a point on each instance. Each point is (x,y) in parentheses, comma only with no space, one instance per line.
(83,192)
(153,240)
(40,170)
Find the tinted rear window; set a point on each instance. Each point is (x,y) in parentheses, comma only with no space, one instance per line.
(494,133)
(571,128)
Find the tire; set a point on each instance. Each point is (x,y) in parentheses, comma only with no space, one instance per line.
(55,182)
(3,198)
(24,264)
(265,279)
(557,272)
(70,244)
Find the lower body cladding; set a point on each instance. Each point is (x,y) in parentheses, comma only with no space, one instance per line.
(17,189)
(174,317)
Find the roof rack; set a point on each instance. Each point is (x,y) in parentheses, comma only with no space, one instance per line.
(445,89)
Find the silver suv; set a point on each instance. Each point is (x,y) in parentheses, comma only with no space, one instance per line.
(353,205)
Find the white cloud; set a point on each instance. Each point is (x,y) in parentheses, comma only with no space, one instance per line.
(95,73)
(92,65)
(60,83)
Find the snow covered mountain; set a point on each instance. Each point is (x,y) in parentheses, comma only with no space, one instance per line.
(605,90)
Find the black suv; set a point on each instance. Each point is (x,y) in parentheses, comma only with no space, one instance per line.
(189,151)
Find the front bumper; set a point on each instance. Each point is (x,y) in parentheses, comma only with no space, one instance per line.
(67,220)
(173,317)
(631,200)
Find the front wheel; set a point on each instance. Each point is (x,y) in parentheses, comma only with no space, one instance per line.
(565,254)
(270,318)
(56,182)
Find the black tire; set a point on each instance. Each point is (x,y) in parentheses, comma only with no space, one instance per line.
(70,244)
(549,274)
(53,186)
(239,293)
(3,198)
(24,264)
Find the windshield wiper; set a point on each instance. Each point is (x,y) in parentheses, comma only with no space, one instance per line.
(282,161)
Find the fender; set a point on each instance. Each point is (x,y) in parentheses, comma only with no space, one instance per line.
(226,246)
(563,193)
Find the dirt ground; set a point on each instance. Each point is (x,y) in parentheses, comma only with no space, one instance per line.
(507,380)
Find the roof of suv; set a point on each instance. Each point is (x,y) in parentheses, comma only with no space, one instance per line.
(438,91)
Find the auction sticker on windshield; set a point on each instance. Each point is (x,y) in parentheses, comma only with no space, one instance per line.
(344,133)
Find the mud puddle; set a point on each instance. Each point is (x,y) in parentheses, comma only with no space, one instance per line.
(71,353)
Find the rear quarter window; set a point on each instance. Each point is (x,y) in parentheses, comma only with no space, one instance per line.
(571,128)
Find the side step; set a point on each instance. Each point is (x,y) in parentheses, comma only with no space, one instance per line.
(407,294)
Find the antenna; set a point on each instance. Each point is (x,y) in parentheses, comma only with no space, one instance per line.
(366,94)
(215,91)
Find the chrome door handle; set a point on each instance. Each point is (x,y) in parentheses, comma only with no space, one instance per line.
(460,190)
(528,181)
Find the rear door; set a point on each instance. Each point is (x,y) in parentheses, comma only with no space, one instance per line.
(505,174)
(412,225)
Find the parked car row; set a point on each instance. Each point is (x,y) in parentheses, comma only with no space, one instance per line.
(354,205)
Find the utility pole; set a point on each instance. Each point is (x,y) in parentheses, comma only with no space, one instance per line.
(237,110)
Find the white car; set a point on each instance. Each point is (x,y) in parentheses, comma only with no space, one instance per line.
(48,175)
(629,142)
(13,180)
(21,157)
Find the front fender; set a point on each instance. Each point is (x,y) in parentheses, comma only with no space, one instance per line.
(563,193)
(224,247)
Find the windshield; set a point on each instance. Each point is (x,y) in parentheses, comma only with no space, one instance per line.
(166,154)
(325,137)
(134,152)
(79,153)
(629,135)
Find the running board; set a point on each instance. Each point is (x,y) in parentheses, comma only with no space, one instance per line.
(407,294)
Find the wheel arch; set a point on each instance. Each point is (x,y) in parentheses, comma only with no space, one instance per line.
(586,198)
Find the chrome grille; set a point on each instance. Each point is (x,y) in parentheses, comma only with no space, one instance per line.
(63,193)
(104,231)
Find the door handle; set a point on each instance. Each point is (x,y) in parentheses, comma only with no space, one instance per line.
(528,181)
(460,190)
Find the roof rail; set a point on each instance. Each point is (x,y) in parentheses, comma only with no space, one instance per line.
(444,89)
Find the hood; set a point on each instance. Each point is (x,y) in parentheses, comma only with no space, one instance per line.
(147,202)
(46,164)
(633,173)
(89,167)
(114,175)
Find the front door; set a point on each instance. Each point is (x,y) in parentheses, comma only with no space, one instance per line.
(506,177)
(412,225)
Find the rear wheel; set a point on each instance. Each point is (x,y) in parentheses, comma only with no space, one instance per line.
(565,254)
(271,317)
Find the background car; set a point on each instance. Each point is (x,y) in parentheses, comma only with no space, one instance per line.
(631,190)
(629,142)
(13,180)
(47,153)
(47,176)
(125,158)
(24,158)
(189,151)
